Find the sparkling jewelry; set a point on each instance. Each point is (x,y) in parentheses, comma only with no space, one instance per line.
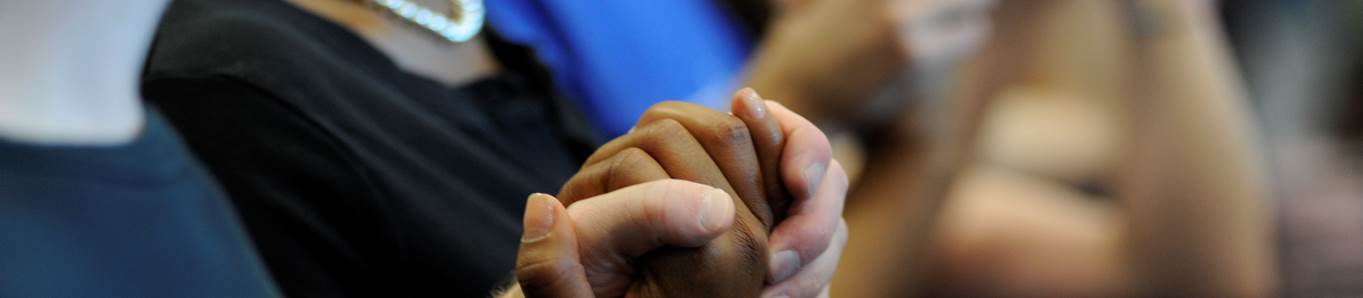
(466,22)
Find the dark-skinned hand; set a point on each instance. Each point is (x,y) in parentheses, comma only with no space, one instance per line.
(631,230)
(738,154)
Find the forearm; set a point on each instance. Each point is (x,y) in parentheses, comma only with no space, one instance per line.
(1195,204)
(910,172)
(889,217)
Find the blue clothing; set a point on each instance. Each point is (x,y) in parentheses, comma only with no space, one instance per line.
(619,57)
(137,220)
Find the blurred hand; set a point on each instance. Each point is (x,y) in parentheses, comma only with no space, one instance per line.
(937,32)
(826,58)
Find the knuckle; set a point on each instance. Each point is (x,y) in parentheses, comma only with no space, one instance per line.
(620,164)
(630,158)
(546,272)
(816,242)
(836,171)
(753,249)
(603,152)
(588,182)
(667,129)
(652,209)
(662,198)
(651,213)
(663,110)
(811,288)
(653,205)
(731,130)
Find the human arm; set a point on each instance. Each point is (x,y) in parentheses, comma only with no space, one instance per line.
(1193,187)
(828,59)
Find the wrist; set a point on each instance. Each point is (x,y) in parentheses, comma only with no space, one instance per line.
(1164,20)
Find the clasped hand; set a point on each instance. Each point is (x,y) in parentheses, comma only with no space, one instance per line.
(693,203)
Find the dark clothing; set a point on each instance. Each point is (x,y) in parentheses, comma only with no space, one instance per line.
(135,220)
(354,177)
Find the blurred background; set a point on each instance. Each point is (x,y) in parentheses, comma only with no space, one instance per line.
(1032,148)
(1073,147)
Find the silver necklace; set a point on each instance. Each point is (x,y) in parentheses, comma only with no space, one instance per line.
(466,22)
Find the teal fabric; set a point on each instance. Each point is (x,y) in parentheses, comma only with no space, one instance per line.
(138,220)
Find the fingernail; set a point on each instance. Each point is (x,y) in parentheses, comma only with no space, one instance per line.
(539,218)
(813,177)
(715,202)
(754,101)
(784,264)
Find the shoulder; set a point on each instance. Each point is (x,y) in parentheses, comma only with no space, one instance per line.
(217,114)
(260,147)
(257,40)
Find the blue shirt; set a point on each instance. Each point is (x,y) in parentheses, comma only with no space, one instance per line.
(138,220)
(618,57)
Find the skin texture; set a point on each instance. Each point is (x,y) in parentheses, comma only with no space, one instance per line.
(827,59)
(675,140)
(594,246)
(627,223)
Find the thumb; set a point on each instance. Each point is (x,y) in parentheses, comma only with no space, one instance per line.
(634,220)
(548,264)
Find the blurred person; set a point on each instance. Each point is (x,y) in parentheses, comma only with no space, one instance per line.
(1034,214)
(1153,117)
(97,195)
(1301,58)
(370,155)
(869,71)
(842,63)
(826,59)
